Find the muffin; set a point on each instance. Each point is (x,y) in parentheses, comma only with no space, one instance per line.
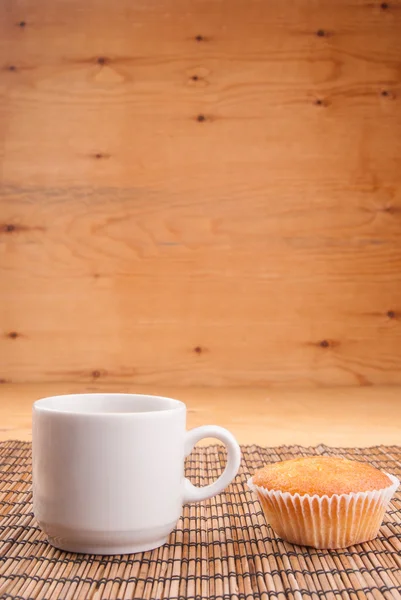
(322,501)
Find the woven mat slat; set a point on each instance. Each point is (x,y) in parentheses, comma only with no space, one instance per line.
(222,549)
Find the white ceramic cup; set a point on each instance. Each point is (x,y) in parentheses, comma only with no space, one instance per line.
(108,470)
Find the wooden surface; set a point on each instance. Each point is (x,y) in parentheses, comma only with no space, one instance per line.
(351,417)
(200,192)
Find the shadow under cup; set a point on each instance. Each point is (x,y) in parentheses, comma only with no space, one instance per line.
(108,470)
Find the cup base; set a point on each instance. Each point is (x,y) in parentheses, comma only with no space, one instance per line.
(105,550)
(84,541)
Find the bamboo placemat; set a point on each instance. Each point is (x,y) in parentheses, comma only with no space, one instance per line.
(221,549)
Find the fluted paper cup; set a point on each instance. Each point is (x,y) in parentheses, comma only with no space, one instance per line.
(334,521)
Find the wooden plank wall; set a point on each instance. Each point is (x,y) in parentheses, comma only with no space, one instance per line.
(201,191)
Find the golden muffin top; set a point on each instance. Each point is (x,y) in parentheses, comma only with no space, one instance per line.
(321,475)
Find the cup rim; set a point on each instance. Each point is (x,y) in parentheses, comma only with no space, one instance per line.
(46,405)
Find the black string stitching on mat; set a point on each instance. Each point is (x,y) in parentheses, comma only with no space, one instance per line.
(221,549)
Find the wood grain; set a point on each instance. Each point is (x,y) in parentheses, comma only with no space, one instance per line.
(202,193)
(350,417)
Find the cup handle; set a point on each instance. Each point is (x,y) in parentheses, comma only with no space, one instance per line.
(195,494)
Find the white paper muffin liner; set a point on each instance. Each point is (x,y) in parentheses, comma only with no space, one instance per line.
(337,521)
